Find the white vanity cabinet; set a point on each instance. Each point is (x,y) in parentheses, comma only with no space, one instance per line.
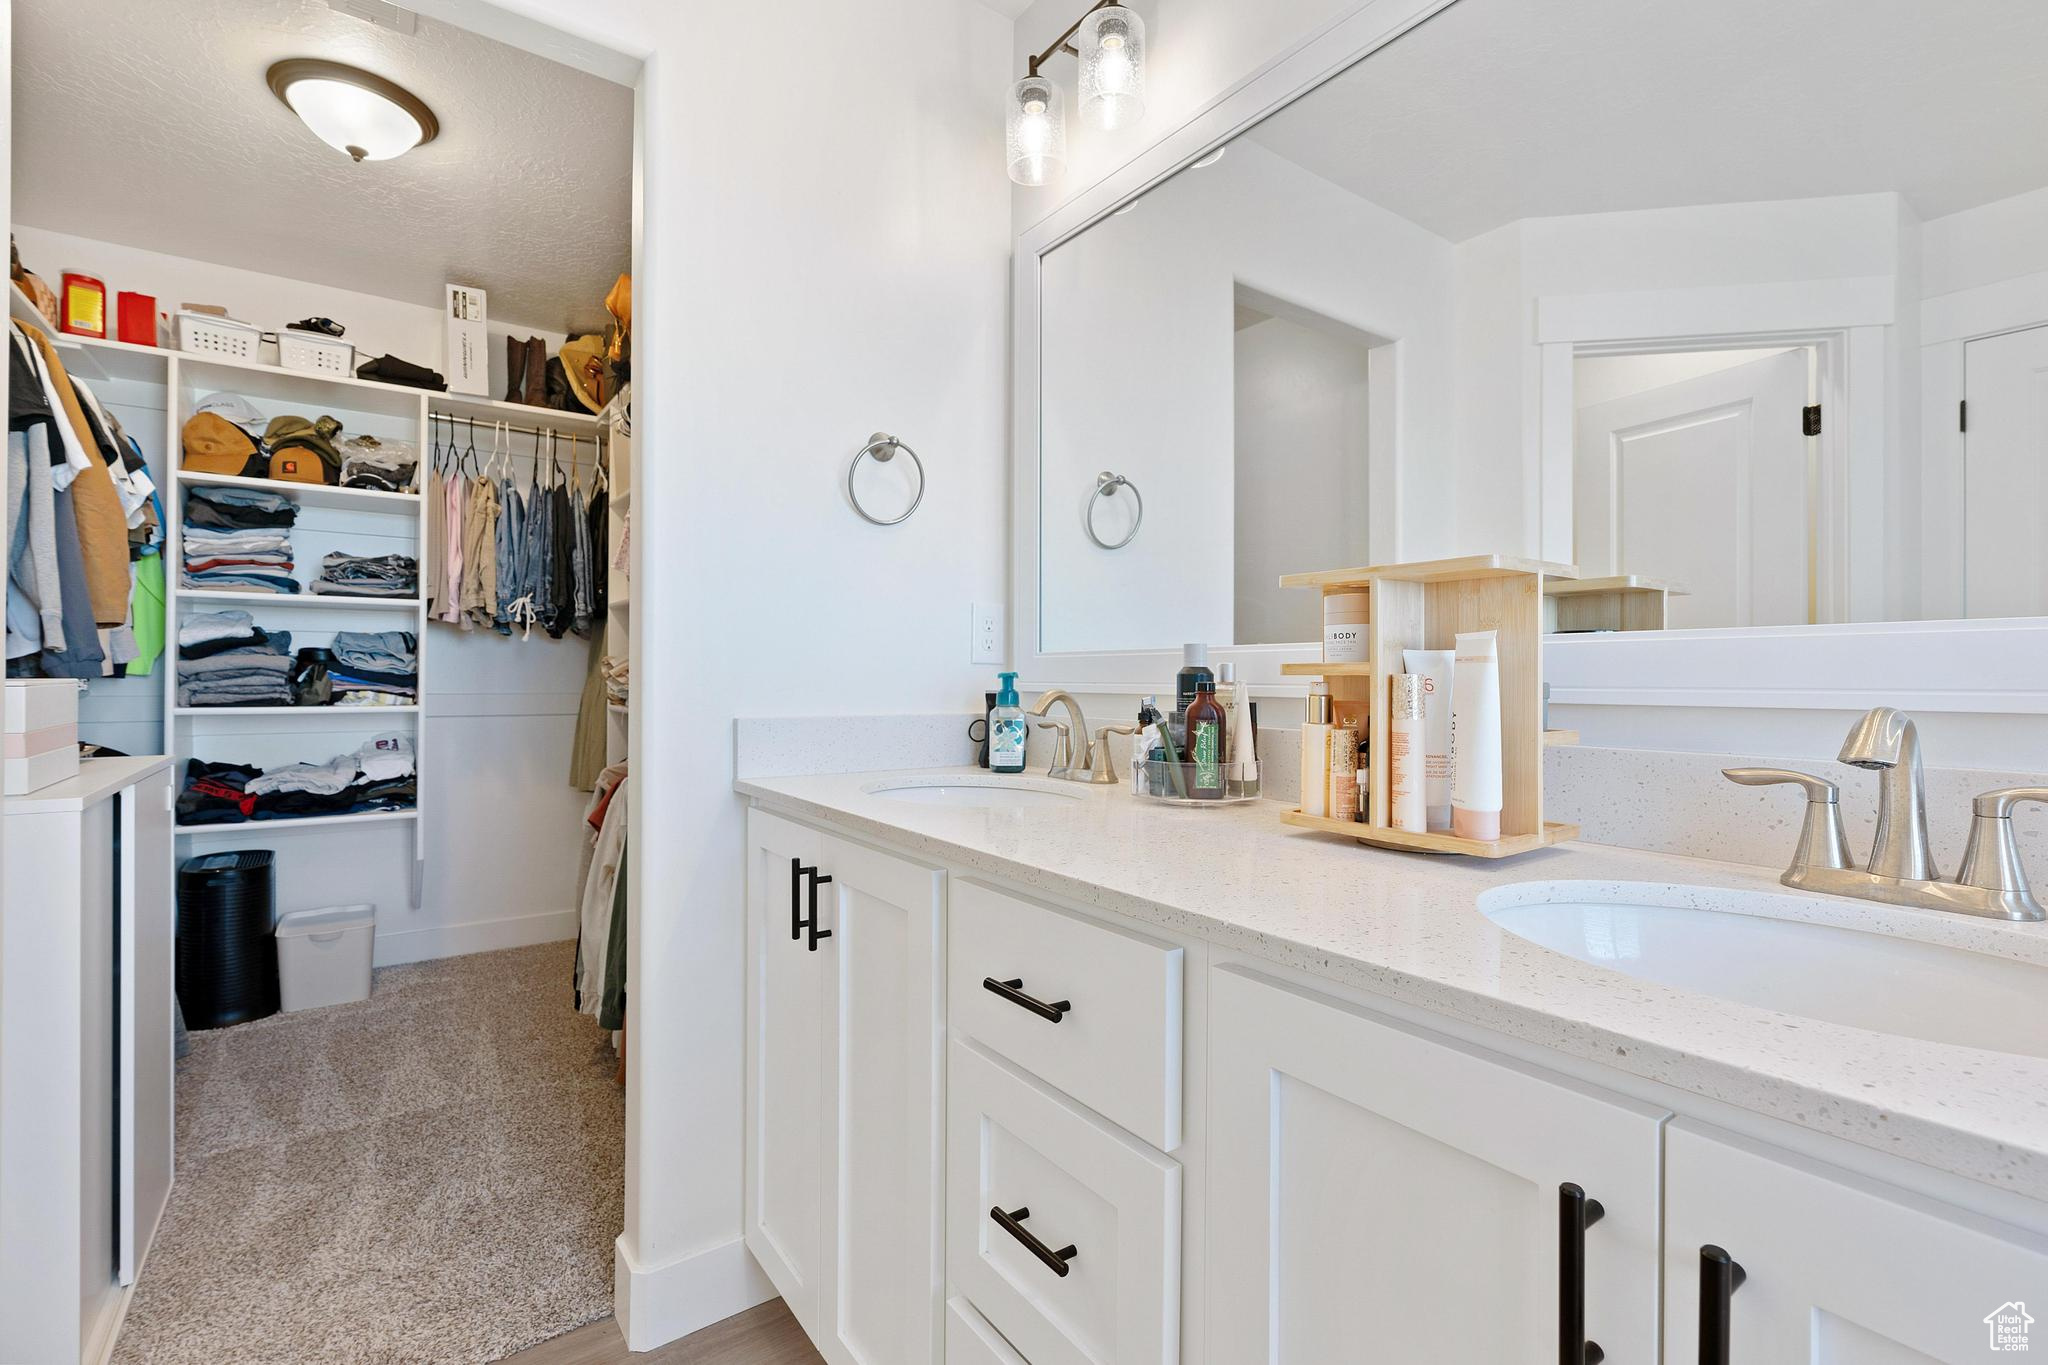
(845,954)
(1376,1192)
(1835,1268)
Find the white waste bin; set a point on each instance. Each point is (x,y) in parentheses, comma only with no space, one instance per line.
(323,956)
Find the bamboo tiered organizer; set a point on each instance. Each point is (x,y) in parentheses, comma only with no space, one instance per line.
(1424,606)
(1623,602)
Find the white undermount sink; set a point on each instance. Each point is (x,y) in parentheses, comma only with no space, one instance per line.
(974,793)
(1822,971)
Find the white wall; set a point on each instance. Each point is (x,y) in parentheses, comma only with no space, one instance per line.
(1140,372)
(501,822)
(1602,378)
(814,262)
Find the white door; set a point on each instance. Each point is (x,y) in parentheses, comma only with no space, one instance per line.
(2005,475)
(1703,481)
(786,1175)
(884,968)
(1379,1194)
(149,1064)
(1835,1270)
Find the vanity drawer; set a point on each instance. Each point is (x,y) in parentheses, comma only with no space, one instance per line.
(971,1341)
(1074,1184)
(1116,1048)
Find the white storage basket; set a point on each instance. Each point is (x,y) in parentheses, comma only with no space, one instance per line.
(324,956)
(205,334)
(311,351)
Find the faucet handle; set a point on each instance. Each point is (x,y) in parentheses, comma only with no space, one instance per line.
(1102,767)
(1062,746)
(1991,861)
(1822,841)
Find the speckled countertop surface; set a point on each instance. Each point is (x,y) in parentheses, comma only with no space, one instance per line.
(1408,927)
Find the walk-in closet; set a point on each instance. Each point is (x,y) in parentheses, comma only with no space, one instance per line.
(320,483)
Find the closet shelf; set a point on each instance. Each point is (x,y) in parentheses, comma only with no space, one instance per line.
(304,599)
(295,711)
(482,410)
(243,828)
(312,494)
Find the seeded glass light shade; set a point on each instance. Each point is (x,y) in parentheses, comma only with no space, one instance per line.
(1036,131)
(352,110)
(1111,41)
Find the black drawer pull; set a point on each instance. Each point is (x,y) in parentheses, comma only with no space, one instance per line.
(1575,1213)
(797,871)
(815,932)
(1013,1223)
(1720,1277)
(1013,991)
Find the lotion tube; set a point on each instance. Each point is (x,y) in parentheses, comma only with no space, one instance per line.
(1433,666)
(1475,731)
(1406,807)
(1315,751)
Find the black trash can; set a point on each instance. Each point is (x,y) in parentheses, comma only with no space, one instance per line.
(227,956)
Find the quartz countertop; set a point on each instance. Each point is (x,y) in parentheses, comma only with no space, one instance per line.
(1408,927)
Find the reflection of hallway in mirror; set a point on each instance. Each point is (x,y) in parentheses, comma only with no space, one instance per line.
(1695,467)
(2005,475)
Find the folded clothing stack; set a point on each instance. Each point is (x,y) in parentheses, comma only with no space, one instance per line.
(375,668)
(239,540)
(368,576)
(379,776)
(387,466)
(225,659)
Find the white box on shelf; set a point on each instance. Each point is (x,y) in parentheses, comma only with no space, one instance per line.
(39,703)
(469,350)
(314,352)
(205,334)
(323,956)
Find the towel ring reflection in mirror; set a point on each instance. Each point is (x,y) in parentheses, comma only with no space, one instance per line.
(1106,485)
(882,448)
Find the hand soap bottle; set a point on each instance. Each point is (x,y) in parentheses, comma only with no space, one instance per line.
(1006,729)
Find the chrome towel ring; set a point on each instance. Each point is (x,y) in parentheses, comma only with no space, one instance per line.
(883,448)
(1106,485)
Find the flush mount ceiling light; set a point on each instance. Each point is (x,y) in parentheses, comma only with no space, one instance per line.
(352,110)
(1109,43)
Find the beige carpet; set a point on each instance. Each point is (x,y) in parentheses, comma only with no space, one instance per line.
(433,1175)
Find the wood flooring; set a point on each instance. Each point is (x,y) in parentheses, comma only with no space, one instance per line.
(766,1335)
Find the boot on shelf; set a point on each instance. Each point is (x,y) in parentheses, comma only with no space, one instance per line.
(536,394)
(515,369)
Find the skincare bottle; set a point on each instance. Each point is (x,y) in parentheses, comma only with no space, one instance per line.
(1194,666)
(1405,808)
(1345,615)
(1006,729)
(1475,727)
(1315,751)
(1434,667)
(1242,773)
(1343,799)
(1208,741)
(1144,742)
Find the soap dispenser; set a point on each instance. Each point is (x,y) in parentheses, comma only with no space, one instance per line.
(1006,729)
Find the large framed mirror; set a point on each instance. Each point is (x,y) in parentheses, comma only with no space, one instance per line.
(1742,309)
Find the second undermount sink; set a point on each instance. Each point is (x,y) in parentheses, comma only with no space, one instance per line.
(974,793)
(1870,980)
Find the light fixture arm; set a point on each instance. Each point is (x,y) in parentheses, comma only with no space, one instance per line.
(1064,43)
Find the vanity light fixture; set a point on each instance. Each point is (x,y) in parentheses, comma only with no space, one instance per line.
(353,110)
(1109,43)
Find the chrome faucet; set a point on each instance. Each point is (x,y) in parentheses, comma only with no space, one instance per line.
(1901,869)
(1066,734)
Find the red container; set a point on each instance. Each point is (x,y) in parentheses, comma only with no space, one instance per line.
(137,313)
(82,306)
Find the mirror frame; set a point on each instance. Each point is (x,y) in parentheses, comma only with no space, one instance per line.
(1974,666)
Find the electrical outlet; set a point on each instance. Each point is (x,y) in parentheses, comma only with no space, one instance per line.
(986,638)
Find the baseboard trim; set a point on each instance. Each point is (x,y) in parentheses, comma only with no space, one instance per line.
(659,1304)
(477,936)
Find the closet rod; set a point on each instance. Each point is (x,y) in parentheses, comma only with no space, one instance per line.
(561,433)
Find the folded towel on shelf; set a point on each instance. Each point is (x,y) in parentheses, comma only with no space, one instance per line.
(368,576)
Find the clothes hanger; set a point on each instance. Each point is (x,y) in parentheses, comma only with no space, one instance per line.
(471,465)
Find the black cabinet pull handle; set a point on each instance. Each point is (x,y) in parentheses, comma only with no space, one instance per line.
(1013,1223)
(812,927)
(1013,991)
(1720,1277)
(797,872)
(1575,1213)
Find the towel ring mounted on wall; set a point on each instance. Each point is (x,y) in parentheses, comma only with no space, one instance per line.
(883,447)
(1106,485)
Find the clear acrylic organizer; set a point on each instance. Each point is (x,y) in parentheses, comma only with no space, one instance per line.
(1175,784)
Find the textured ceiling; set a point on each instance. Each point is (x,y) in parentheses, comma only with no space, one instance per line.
(1496,110)
(147,123)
